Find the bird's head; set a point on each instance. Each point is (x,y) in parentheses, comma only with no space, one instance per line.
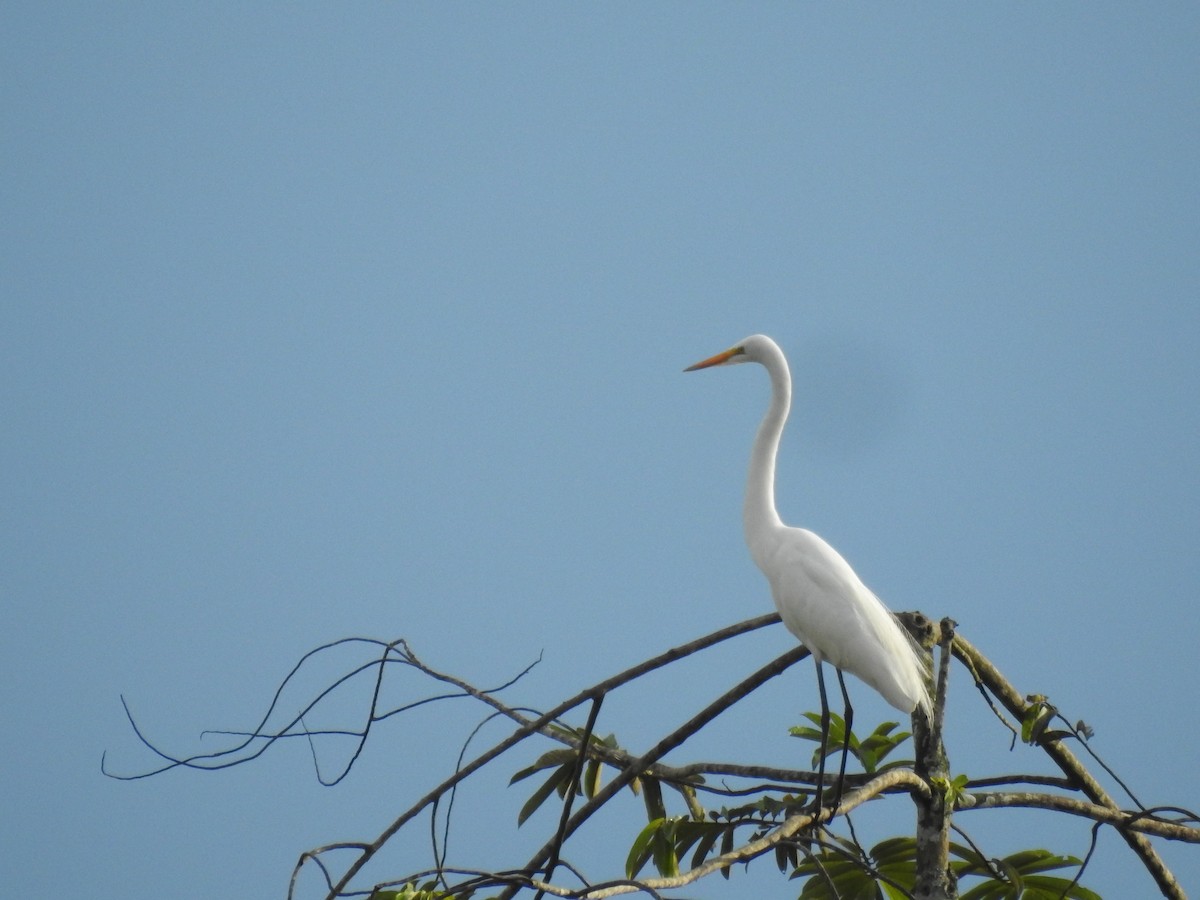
(752,349)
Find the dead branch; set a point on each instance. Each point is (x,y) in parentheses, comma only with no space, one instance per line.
(1008,696)
(1132,821)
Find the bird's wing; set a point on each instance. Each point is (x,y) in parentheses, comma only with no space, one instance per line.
(825,604)
(811,583)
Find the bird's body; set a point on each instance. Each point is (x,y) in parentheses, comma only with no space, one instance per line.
(819,597)
(823,603)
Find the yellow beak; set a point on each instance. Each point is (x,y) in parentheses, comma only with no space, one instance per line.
(722,357)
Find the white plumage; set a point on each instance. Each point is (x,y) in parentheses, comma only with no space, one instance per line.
(819,597)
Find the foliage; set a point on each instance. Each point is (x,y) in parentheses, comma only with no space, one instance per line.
(869,751)
(840,868)
(684,840)
(888,872)
(564,763)
(427,891)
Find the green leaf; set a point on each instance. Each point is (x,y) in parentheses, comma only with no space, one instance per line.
(666,860)
(1029,861)
(687,832)
(849,878)
(989,890)
(894,850)
(652,796)
(805,733)
(560,778)
(1037,716)
(1047,887)
(855,879)
(545,761)
(705,844)
(592,778)
(880,744)
(641,850)
(899,866)
(970,858)
(656,841)
(870,752)
(410,891)
(1019,876)
(787,856)
(726,847)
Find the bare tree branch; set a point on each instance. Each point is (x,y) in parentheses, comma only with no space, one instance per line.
(799,832)
(893,780)
(933,875)
(990,676)
(1045,780)
(677,737)
(1132,821)
(532,727)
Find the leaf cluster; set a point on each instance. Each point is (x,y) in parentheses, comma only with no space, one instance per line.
(888,872)
(412,891)
(776,816)
(838,867)
(869,751)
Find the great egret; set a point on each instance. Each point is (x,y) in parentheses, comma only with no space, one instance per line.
(819,597)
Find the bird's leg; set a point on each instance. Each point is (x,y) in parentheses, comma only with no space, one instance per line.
(824,737)
(847,721)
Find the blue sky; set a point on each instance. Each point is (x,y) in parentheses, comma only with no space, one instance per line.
(328,320)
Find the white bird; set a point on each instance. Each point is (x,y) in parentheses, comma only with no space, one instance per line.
(819,597)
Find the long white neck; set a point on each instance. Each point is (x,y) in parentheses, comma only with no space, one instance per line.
(758,513)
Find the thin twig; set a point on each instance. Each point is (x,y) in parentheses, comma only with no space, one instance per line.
(532,727)
(572,790)
(1124,821)
(1046,780)
(998,685)
(793,825)
(674,739)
